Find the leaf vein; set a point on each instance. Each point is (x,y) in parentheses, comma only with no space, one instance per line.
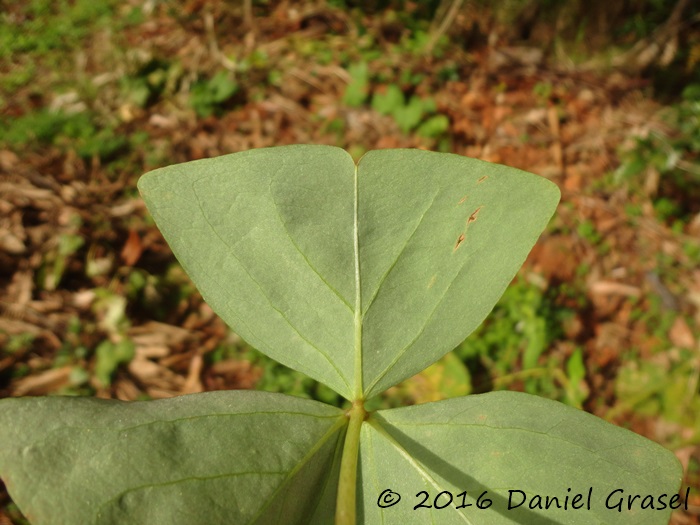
(403,249)
(308,262)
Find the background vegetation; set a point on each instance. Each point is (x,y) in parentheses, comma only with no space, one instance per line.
(603,98)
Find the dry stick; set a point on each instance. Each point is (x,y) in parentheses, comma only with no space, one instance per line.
(214,44)
(248,14)
(444,25)
(557,150)
(249,24)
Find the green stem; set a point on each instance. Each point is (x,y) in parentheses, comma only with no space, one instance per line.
(347,486)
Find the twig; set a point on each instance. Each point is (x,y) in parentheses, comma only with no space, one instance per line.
(248,14)
(444,26)
(214,44)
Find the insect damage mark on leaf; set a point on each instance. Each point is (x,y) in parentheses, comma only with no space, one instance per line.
(461,237)
(460,240)
(462,200)
(432,281)
(474,215)
(471,219)
(482,179)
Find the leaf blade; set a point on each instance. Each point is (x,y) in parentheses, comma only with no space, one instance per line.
(441,236)
(267,237)
(116,462)
(486,442)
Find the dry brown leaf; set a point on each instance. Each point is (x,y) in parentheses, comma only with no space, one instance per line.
(126,390)
(84,299)
(161,393)
(155,333)
(131,252)
(614,288)
(151,351)
(17,327)
(193,382)
(125,208)
(680,334)
(10,243)
(145,370)
(8,160)
(43,383)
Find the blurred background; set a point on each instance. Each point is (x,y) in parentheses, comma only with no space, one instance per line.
(602,98)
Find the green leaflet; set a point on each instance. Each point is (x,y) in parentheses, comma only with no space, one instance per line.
(505,441)
(213,458)
(361,277)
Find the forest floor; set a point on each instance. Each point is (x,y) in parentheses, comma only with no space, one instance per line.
(610,295)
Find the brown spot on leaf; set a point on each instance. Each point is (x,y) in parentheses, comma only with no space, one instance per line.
(462,200)
(482,179)
(460,240)
(473,216)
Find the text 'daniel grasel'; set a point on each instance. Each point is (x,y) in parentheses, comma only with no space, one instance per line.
(613,500)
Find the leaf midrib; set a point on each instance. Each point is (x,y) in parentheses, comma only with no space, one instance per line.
(357,394)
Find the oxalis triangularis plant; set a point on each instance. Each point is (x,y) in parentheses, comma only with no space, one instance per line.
(360,276)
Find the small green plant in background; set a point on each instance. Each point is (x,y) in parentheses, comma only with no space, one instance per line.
(72,21)
(360,276)
(675,155)
(55,261)
(511,345)
(662,386)
(149,81)
(357,90)
(209,95)
(40,34)
(110,356)
(80,131)
(413,114)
